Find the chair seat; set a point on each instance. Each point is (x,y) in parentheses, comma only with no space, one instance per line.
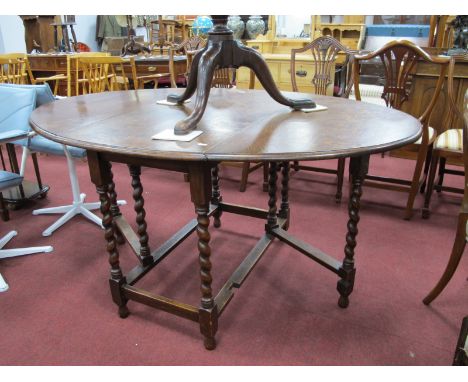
(44,145)
(370,94)
(9,179)
(12,134)
(431,136)
(451,139)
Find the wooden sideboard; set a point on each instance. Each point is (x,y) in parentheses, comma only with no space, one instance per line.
(424,81)
(280,68)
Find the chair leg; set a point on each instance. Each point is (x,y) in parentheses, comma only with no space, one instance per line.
(427,165)
(415,183)
(430,185)
(6,253)
(296,165)
(440,181)
(5,215)
(245,176)
(3,285)
(78,206)
(36,170)
(340,177)
(454,260)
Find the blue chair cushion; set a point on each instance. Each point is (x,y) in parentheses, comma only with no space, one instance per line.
(16,105)
(9,179)
(43,145)
(8,136)
(43,93)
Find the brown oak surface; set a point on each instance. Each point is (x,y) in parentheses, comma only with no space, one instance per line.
(237,125)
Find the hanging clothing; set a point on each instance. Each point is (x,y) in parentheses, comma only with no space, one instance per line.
(107,26)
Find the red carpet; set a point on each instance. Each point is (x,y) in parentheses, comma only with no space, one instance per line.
(58,310)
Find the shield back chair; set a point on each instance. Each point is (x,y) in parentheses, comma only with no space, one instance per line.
(14,111)
(400,59)
(17,64)
(447,147)
(36,143)
(324,50)
(461,235)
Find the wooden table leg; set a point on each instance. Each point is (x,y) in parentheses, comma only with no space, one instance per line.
(272,220)
(114,208)
(358,170)
(284,209)
(200,190)
(216,196)
(101,176)
(145,252)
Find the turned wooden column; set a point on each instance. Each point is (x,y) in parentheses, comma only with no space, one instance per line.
(358,170)
(101,176)
(200,191)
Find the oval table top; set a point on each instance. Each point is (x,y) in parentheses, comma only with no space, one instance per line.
(238,125)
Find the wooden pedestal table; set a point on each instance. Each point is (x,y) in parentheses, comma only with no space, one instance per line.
(237,126)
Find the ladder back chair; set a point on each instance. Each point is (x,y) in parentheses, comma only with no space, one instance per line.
(15,69)
(462,226)
(75,79)
(447,147)
(102,74)
(324,51)
(400,59)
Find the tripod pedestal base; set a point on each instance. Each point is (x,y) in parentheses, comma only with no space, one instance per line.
(222,51)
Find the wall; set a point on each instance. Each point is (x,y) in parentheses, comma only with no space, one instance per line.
(85,30)
(12,32)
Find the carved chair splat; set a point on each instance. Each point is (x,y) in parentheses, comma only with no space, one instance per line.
(325,51)
(399,59)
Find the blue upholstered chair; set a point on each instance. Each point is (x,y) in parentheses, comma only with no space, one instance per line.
(14,109)
(37,143)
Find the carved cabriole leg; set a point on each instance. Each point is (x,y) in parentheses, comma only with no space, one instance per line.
(206,67)
(101,177)
(358,168)
(272,221)
(191,83)
(284,209)
(145,253)
(216,198)
(115,210)
(200,190)
(245,56)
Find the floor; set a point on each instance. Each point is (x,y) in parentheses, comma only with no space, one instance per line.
(58,310)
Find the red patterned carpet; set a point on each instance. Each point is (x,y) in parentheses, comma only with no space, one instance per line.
(58,310)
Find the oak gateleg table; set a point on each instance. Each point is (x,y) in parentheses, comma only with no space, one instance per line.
(237,126)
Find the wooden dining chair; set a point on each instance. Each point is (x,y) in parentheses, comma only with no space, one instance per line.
(15,69)
(75,78)
(399,59)
(139,80)
(448,147)
(324,50)
(462,226)
(102,74)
